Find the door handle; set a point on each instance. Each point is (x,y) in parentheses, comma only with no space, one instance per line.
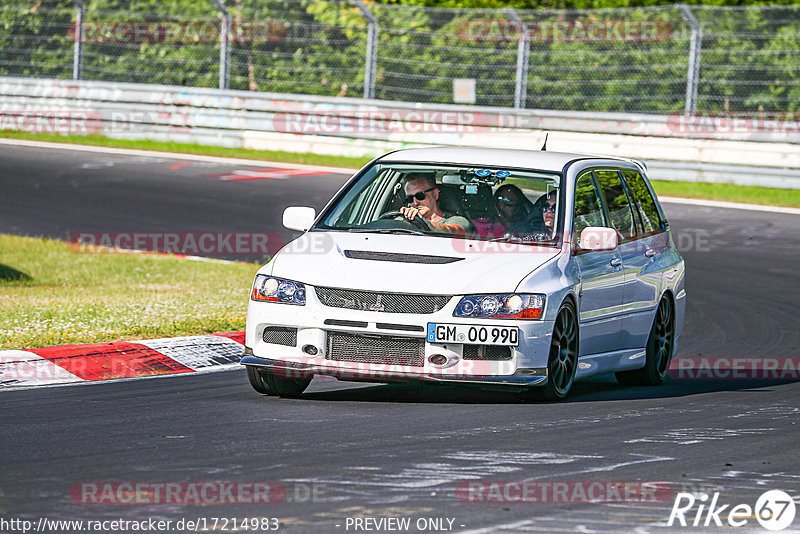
(650,252)
(616,262)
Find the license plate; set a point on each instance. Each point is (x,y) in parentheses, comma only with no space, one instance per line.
(477,334)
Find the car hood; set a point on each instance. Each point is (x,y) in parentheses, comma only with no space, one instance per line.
(407,263)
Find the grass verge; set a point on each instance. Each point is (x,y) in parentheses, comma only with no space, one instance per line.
(726,192)
(52,295)
(749,194)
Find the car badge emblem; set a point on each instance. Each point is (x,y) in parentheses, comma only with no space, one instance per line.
(377,306)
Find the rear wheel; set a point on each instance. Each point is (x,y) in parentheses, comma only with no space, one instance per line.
(658,352)
(268,384)
(562,361)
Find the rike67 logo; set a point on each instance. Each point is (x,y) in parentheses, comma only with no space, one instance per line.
(774,510)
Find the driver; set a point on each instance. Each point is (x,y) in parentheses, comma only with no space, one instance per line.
(422,198)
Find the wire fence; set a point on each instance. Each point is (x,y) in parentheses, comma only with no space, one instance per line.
(648,60)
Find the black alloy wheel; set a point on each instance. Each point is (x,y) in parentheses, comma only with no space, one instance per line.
(563,358)
(659,349)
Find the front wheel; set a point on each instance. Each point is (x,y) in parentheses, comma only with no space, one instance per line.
(658,352)
(562,361)
(267,383)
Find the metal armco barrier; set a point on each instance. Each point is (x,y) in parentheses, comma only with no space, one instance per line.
(676,147)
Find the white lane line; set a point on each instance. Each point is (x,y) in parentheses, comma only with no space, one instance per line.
(645,459)
(174,155)
(690,436)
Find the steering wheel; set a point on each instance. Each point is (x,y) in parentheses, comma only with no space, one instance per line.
(417,221)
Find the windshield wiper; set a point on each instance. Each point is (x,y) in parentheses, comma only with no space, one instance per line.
(507,239)
(520,240)
(385,231)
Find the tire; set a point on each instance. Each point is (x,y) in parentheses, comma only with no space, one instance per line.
(562,361)
(267,383)
(660,345)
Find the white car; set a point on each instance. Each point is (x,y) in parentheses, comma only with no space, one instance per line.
(524,270)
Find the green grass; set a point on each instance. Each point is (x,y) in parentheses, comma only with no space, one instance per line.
(725,192)
(51,294)
(730,193)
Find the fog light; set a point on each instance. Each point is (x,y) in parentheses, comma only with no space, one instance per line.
(311,350)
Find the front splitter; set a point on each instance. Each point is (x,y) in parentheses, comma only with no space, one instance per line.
(287,369)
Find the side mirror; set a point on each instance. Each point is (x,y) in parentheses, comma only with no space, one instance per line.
(299,218)
(598,238)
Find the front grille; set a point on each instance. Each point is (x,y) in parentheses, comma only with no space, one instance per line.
(487,352)
(386,350)
(383,302)
(400,258)
(280,335)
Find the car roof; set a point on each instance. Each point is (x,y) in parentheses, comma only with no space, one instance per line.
(492,157)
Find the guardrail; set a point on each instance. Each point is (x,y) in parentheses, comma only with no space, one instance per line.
(679,147)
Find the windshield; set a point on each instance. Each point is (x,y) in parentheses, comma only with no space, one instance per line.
(489,203)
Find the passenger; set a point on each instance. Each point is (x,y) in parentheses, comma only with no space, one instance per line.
(538,225)
(510,208)
(549,210)
(422,198)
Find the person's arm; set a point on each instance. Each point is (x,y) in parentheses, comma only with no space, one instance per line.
(455,224)
(450,228)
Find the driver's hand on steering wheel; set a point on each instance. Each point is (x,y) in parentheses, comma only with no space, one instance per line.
(411,212)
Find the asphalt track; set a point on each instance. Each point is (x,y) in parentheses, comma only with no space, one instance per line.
(395,451)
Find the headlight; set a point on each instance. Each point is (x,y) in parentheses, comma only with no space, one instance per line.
(512,306)
(271,289)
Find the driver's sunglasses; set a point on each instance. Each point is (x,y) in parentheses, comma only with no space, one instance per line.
(549,207)
(419,195)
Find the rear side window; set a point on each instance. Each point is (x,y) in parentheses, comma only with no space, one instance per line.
(643,202)
(588,210)
(619,210)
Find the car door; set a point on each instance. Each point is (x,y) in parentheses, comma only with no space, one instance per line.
(641,283)
(643,261)
(600,292)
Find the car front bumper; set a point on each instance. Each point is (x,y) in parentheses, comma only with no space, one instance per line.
(383,346)
(292,369)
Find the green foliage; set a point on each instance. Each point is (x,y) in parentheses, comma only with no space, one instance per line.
(34,40)
(749,58)
(572,4)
